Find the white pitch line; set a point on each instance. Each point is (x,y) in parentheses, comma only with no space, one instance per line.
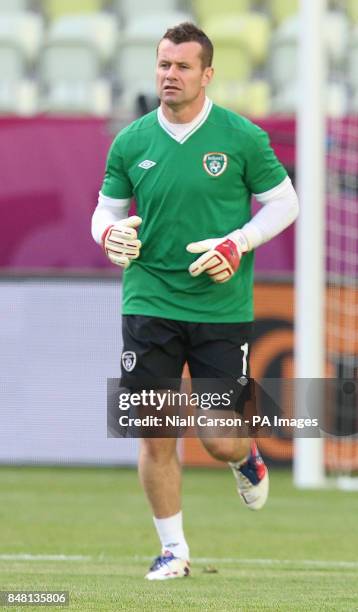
(313,563)
(304,562)
(29,557)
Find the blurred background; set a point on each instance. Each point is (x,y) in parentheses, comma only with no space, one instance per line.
(72,73)
(95,57)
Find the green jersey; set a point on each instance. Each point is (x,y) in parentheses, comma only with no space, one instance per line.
(185,192)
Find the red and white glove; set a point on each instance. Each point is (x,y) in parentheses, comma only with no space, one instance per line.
(120,241)
(221,256)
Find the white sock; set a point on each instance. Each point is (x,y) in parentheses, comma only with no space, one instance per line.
(171,535)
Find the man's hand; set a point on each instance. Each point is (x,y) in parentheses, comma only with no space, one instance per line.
(221,256)
(120,241)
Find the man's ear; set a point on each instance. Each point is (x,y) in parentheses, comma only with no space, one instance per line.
(207,76)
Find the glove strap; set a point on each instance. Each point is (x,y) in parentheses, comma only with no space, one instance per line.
(229,250)
(240,239)
(104,235)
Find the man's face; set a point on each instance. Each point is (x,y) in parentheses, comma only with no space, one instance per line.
(180,74)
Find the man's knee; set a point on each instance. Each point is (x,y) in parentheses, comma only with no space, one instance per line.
(158,449)
(226,449)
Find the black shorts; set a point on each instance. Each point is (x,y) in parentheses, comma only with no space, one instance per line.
(156,349)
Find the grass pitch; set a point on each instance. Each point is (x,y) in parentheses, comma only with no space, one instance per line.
(89,531)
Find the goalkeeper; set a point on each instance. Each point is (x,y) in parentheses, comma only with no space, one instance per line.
(189,260)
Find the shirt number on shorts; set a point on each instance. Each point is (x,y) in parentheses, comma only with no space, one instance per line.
(245,350)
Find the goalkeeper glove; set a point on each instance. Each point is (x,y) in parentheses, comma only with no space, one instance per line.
(120,241)
(221,256)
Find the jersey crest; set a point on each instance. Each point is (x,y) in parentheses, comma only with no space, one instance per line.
(215,163)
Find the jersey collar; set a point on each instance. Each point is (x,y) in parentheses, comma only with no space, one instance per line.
(182,131)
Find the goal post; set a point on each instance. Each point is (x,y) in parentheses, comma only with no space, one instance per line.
(310,227)
(326,276)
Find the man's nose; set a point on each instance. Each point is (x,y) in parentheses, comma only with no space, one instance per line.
(171,74)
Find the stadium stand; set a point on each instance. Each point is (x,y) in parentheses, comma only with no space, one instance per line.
(282,58)
(336,29)
(69,62)
(258,100)
(232,63)
(23,29)
(337,100)
(280,10)
(283,54)
(286,99)
(97,29)
(250,98)
(71,72)
(13,5)
(131,10)
(134,61)
(250,30)
(232,59)
(92,98)
(353,59)
(18,95)
(109,46)
(71,80)
(148,29)
(205,9)
(57,8)
(353,107)
(352,10)
(12,62)
(21,35)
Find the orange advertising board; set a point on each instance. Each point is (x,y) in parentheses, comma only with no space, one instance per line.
(272,356)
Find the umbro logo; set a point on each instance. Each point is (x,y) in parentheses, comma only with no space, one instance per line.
(146,164)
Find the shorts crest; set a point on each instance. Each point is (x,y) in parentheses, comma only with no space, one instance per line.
(215,163)
(129,360)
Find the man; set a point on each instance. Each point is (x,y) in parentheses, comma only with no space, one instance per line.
(188,258)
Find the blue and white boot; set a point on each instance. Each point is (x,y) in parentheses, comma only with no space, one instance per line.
(168,566)
(252,479)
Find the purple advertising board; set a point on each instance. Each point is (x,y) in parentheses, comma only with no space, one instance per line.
(50,173)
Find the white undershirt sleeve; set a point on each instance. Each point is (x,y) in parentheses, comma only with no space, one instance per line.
(108,211)
(279,211)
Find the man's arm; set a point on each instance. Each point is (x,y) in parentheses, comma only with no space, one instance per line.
(114,231)
(111,228)
(279,211)
(267,179)
(221,256)
(108,211)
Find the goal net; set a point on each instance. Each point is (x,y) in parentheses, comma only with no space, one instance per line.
(341,449)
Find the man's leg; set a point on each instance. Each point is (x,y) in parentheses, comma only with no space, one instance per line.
(160,475)
(230,450)
(220,355)
(152,345)
(250,472)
